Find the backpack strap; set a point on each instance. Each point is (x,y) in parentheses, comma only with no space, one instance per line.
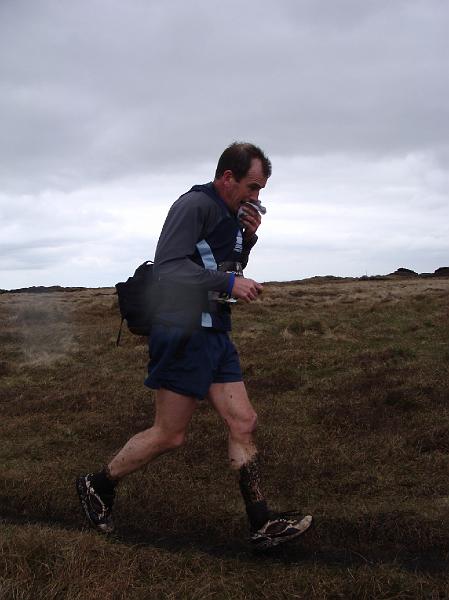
(119,332)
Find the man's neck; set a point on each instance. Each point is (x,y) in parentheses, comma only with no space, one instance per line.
(219,189)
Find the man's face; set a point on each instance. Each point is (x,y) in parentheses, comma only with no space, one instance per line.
(247,189)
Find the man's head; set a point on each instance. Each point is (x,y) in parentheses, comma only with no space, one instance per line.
(242,171)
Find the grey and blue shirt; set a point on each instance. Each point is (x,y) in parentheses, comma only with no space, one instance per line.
(201,241)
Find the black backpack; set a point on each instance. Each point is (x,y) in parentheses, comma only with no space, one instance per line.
(137,300)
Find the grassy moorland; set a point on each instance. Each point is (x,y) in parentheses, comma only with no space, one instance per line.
(351,383)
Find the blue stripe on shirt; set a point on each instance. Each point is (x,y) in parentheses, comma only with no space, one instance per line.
(209,263)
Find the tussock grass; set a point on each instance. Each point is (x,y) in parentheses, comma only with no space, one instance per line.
(351,384)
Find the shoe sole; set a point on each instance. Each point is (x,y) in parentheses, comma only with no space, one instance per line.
(304,525)
(82,495)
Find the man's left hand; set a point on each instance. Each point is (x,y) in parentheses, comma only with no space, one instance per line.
(250,220)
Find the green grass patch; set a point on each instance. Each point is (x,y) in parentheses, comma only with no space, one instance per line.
(350,383)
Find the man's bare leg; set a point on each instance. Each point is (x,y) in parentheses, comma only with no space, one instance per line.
(97,490)
(267,529)
(231,402)
(173,414)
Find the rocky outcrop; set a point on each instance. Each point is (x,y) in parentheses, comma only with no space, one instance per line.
(41,289)
(403,272)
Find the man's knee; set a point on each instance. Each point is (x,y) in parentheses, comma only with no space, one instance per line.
(244,424)
(169,440)
(172,441)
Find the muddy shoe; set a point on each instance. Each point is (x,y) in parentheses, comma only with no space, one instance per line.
(98,508)
(280,528)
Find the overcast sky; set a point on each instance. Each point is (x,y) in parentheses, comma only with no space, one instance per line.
(109,110)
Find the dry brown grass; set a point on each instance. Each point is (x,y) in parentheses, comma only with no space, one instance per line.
(351,383)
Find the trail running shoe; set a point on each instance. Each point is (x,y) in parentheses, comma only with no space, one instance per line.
(98,508)
(280,528)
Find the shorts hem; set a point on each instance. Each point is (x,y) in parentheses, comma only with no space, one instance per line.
(232,379)
(174,388)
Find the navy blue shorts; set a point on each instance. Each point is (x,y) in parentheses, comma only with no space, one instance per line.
(190,365)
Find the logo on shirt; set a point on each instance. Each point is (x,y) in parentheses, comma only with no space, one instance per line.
(239,243)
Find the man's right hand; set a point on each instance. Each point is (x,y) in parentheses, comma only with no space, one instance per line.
(246,289)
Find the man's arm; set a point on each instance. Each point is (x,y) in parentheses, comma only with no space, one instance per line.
(184,226)
(248,289)
(250,220)
(247,247)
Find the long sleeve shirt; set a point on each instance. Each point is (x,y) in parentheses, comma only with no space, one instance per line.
(200,244)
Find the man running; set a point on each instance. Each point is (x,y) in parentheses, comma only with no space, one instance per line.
(202,251)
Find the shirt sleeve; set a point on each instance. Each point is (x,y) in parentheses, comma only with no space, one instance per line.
(247,247)
(186,223)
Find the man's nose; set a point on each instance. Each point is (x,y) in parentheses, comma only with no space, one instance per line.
(254,195)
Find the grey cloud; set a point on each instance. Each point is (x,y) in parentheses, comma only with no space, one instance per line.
(347,97)
(95,91)
(17,247)
(34,254)
(45,254)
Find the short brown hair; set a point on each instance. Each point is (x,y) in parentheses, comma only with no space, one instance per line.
(237,158)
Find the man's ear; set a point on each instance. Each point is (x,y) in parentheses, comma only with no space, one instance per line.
(228,176)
